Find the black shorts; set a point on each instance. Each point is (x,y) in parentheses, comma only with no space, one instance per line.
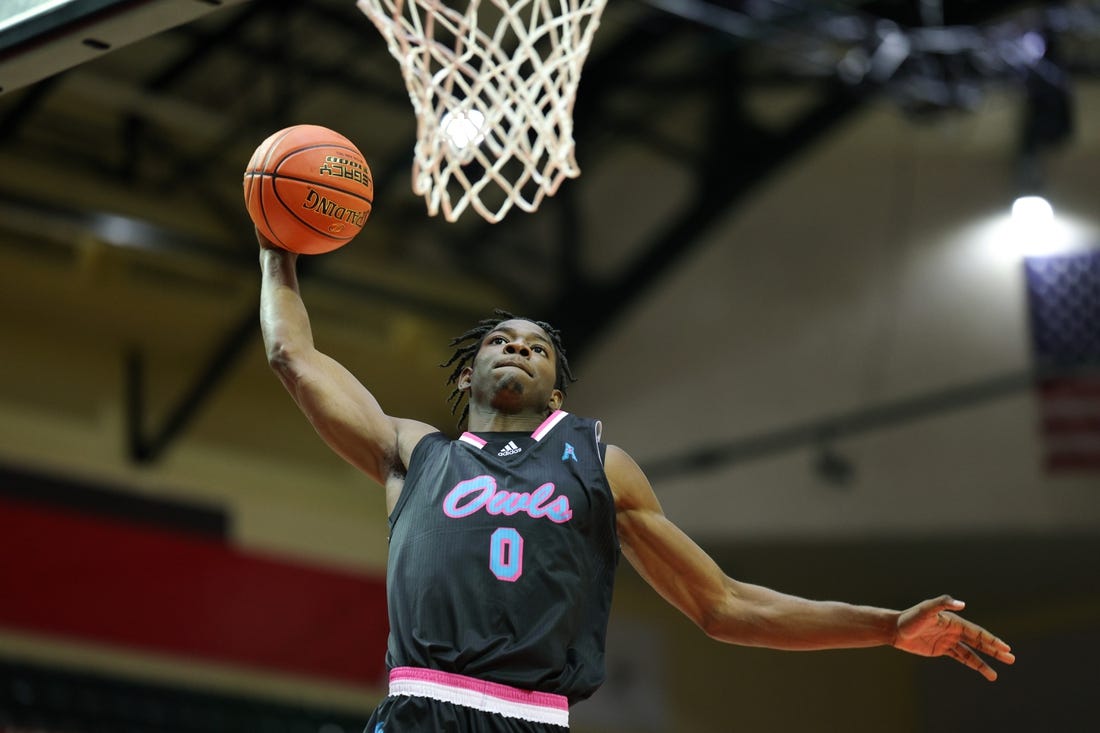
(427,701)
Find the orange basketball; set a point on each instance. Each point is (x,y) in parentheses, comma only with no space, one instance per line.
(308,189)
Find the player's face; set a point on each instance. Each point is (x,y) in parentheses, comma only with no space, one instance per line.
(516,367)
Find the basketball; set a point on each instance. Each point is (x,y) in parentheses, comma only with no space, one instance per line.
(308,189)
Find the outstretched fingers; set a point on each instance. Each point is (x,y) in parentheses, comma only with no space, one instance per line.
(973,639)
(933,628)
(965,655)
(978,638)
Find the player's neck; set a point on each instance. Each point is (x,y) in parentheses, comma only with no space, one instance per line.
(491,421)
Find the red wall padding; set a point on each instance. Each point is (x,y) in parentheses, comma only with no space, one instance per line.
(67,574)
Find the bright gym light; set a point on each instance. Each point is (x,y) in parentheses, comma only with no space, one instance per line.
(1034,229)
(1032,213)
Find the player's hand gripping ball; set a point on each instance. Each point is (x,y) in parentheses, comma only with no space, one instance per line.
(308,189)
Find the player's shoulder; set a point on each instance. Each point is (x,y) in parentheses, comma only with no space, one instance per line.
(618,458)
(628,482)
(412,429)
(409,434)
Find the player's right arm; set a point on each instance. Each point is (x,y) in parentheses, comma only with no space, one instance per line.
(344,412)
(752,615)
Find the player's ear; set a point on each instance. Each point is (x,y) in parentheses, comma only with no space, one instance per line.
(557,399)
(465,378)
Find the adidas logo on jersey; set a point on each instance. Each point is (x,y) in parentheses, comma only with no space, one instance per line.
(510,450)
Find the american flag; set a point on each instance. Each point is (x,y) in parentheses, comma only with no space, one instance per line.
(1064,309)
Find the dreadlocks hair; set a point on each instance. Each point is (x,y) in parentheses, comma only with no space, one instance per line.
(468,344)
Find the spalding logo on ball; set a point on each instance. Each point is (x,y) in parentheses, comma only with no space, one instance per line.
(308,189)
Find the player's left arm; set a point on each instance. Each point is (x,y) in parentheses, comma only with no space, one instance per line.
(752,615)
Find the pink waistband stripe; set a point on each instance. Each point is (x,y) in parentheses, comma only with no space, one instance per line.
(491,697)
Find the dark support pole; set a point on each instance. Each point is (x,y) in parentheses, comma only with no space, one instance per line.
(135,407)
(831,428)
(686,232)
(147,449)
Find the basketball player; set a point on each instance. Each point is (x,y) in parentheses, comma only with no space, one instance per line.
(504,542)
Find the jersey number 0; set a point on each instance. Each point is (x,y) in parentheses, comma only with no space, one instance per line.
(506,554)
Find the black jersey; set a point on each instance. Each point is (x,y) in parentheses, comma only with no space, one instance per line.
(502,558)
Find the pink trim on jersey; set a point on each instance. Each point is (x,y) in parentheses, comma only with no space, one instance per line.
(548,424)
(472,439)
(490,697)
